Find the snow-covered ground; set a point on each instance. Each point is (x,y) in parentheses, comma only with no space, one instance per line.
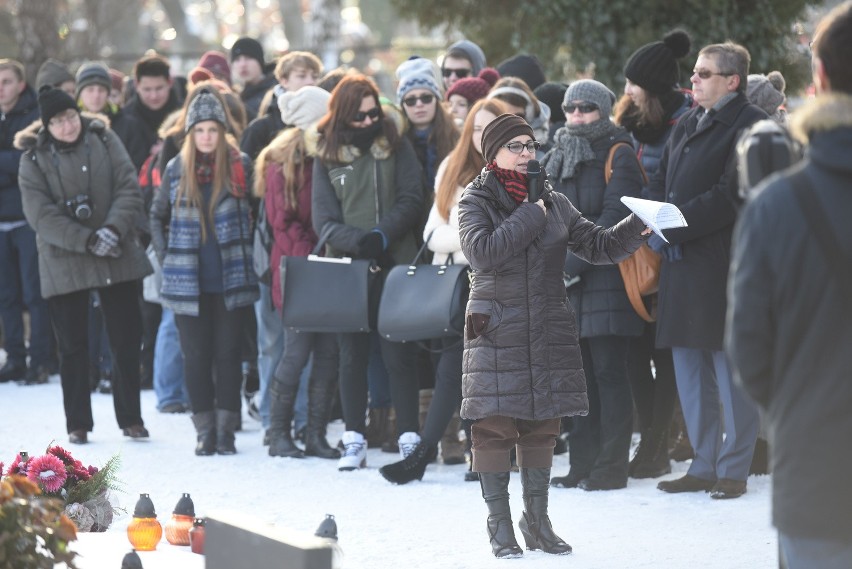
(436,523)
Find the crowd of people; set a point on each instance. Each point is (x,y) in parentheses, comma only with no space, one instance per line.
(143,220)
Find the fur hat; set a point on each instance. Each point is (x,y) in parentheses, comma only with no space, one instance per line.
(764,93)
(416,73)
(53,73)
(205,107)
(474,88)
(500,131)
(466,49)
(522,66)
(591,91)
(217,64)
(303,107)
(93,73)
(52,101)
(249,47)
(654,66)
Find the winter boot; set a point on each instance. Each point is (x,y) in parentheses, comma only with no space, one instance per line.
(205,429)
(495,492)
(535,523)
(377,420)
(652,457)
(389,438)
(319,397)
(226,425)
(452,449)
(425,403)
(410,468)
(280,419)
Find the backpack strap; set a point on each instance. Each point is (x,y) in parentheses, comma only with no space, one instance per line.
(611,156)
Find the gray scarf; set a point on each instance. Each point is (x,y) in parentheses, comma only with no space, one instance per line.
(573,144)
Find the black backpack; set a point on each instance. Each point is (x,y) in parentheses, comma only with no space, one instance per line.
(763,149)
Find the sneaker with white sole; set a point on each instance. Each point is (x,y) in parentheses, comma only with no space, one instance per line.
(407,443)
(354,451)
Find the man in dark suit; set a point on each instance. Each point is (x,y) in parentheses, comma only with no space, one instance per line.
(698,174)
(790,317)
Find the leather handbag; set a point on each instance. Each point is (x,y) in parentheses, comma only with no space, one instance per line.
(422,302)
(641,275)
(326,294)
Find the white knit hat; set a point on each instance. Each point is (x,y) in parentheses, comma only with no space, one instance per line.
(303,107)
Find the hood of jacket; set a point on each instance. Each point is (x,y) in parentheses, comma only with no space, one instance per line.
(825,125)
(36,136)
(380,149)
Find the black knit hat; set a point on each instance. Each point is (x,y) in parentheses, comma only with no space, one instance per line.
(93,73)
(52,101)
(500,131)
(522,66)
(205,107)
(654,66)
(249,47)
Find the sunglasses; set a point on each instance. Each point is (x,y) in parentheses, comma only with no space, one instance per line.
(584,108)
(460,73)
(706,74)
(362,115)
(518,147)
(426,99)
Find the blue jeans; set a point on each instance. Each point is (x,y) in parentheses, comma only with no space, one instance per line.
(377,375)
(813,553)
(19,287)
(169,384)
(270,346)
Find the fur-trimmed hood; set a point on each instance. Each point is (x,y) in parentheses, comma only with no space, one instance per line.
(36,136)
(824,113)
(380,149)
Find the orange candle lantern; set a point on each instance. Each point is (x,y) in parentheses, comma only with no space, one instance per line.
(177,528)
(144,531)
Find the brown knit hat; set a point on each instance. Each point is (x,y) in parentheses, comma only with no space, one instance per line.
(500,131)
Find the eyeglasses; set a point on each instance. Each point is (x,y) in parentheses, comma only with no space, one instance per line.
(707,74)
(67,118)
(426,99)
(460,73)
(362,115)
(518,147)
(584,108)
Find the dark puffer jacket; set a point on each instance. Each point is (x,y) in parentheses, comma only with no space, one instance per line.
(522,357)
(20,117)
(600,299)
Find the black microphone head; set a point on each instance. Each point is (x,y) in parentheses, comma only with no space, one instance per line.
(533,168)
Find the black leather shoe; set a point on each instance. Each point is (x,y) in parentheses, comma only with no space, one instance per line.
(12,372)
(686,483)
(726,488)
(572,480)
(594,484)
(78,437)
(135,432)
(37,375)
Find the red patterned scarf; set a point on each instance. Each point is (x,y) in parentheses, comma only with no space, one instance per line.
(205,166)
(514,182)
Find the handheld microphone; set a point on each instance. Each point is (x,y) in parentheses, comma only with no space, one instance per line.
(534,180)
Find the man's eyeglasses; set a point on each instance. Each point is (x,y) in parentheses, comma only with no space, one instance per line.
(69,117)
(707,74)
(584,108)
(425,98)
(460,73)
(362,115)
(518,147)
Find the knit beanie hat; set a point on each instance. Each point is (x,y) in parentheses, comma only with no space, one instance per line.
(249,47)
(217,64)
(654,66)
(763,93)
(205,107)
(93,73)
(116,78)
(53,73)
(500,131)
(466,49)
(417,73)
(591,91)
(303,107)
(552,94)
(474,88)
(52,101)
(522,66)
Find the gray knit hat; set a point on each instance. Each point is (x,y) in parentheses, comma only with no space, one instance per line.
(417,73)
(205,107)
(761,91)
(53,73)
(466,49)
(500,131)
(303,107)
(93,73)
(591,91)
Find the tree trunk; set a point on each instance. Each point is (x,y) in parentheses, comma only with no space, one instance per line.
(37,34)
(294,25)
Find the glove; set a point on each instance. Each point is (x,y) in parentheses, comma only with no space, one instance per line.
(656,243)
(104,243)
(370,246)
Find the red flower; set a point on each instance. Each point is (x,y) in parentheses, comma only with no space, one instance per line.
(47,471)
(62,455)
(81,474)
(18,467)
(92,470)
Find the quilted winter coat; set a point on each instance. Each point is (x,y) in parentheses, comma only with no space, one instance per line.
(521,353)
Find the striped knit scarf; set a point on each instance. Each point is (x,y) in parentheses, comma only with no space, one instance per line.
(514,182)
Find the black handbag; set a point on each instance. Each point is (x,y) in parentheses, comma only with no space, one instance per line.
(422,302)
(326,294)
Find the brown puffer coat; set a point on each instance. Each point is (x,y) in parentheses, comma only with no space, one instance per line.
(521,353)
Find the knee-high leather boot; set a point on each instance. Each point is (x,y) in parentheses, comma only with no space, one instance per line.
(226,425)
(535,523)
(280,421)
(495,492)
(320,392)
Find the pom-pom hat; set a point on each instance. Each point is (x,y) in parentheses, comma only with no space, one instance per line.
(205,107)
(474,88)
(654,66)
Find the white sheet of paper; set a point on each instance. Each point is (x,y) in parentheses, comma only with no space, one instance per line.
(656,215)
